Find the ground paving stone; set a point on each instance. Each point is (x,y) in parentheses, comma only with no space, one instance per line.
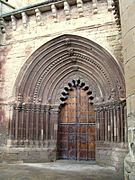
(57,171)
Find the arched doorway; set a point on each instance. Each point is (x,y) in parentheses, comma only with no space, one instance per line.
(35,121)
(76,125)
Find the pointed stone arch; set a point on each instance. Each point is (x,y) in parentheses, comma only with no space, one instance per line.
(50,67)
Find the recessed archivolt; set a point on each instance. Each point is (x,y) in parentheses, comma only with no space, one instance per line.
(57,73)
(68,70)
(90,70)
(42,74)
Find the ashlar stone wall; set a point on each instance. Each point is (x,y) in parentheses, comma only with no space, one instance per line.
(27,30)
(128,39)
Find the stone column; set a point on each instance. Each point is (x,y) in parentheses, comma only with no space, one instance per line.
(127,11)
(54,123)
(47,120)
(53,126)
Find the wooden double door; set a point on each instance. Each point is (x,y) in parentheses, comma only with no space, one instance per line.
(76,128)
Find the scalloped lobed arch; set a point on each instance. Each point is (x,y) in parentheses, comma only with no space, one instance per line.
(65,58)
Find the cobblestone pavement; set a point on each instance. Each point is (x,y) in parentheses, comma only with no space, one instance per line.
(57,171)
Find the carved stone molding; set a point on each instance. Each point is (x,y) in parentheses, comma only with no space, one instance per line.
(38,16)
(70,51)
(14,23)
(64,57)
(67,10)
(2,26)
(54,12)
(80,8)
(24,19)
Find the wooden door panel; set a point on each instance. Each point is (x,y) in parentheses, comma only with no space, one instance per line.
(82,142)
(91,155)
(76,134)
(82,148)
(72,129)
(91,119)
(72,154)
(63,154)
(72,146)
(82,154)
(91,142)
